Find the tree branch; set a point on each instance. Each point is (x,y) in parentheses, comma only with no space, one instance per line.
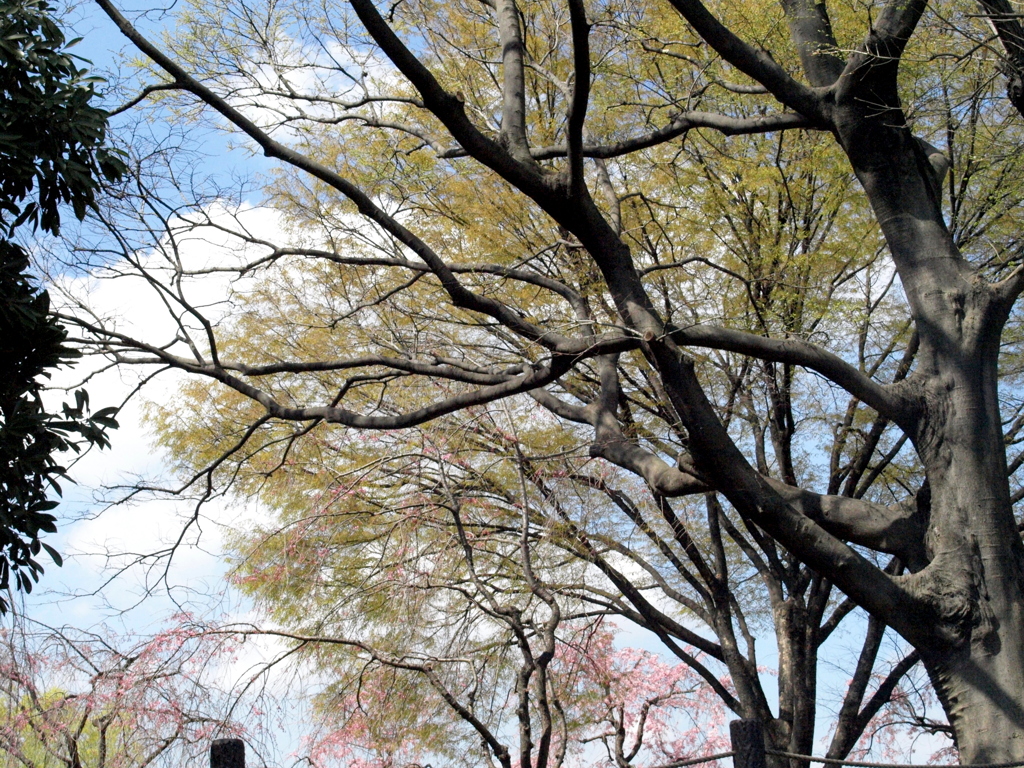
(531,376)
(1005,20)
(757,501)
(758,65)
(797,352)
(894,530)
(811,30)
(681,123)
(513,90)
(450,109)
(580,94)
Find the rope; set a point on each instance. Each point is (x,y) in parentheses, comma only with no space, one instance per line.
(862,764)
(834,761)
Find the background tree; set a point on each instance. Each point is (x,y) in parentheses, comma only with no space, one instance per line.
(80,700)
(51,155)
(615,707)
(528,175)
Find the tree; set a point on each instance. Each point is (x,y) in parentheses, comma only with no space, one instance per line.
(623,324)
(366,554)
(51,153)
(81,700)
(622,707)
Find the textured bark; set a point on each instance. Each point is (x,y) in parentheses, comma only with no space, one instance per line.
(972,584)
(968,593)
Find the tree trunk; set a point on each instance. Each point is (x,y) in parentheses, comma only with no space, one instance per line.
(974,576)
(981,694)
(969,609)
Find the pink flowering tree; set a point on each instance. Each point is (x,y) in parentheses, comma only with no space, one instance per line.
(653,711)
(595,704)
(80,700)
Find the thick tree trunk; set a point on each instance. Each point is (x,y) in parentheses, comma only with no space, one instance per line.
(980,691)
(975,654)
(969,623)
(974,582)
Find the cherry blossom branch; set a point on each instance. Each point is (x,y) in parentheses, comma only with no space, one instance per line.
(409,663)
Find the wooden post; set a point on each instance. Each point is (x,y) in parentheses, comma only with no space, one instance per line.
(747,744)
(227,753)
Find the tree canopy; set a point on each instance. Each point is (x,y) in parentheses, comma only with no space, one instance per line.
(671,312)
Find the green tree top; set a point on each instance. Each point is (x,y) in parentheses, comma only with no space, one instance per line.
(51,154)
(51,135)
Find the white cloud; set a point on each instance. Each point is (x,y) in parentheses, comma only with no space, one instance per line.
(99,531)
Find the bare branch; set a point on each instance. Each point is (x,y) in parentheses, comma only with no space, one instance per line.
(685,121)
(755,64)
(883,399)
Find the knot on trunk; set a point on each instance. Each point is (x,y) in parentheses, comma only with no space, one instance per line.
(1014,85)
(949,595)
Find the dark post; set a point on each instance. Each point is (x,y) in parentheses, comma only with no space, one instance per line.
(227,753)
(747,744)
